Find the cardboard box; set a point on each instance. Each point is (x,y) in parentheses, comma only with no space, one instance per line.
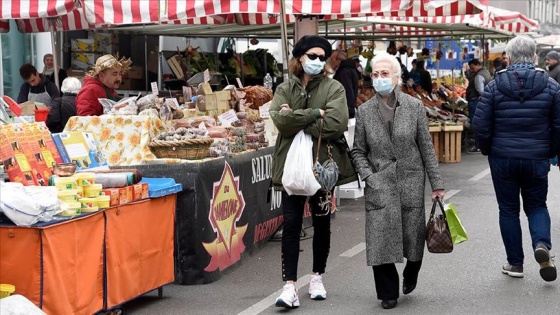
(84,45)
(129,194)
(83,61)
(132,84)
(106,39)
(210,101)
(109,49)
(145,191)
(136,192)
(114,194)
(123,196)
(80,148)
(175,64)
(135,72)
(28,108)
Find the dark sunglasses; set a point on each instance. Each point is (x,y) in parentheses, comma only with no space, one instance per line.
(313,57)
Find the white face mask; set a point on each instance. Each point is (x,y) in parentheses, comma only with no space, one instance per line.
(313,67)
(383,86)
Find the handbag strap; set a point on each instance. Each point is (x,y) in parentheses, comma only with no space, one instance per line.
(437,202)
(329,154)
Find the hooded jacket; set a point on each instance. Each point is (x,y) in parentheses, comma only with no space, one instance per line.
(62,110)
(518,115)
(87,103)
(45,84)
(347,75)
(554,72)
(321,93)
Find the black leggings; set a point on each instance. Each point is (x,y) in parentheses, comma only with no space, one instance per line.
(293,207)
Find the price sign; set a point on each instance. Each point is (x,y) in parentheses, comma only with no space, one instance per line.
(155,90)
(228,118)
(264,111)
(206,75)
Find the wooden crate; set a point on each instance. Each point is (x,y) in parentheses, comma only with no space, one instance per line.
(435,132)
(450,144)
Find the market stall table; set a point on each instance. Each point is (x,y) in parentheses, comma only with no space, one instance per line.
(225,213)
(64,267)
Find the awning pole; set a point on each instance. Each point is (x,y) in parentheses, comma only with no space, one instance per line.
(55,57)
(284,38)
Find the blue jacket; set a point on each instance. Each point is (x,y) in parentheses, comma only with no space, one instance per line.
(518,115)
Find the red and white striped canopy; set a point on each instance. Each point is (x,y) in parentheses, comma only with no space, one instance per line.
(492,18)
(25,9)
(329,9)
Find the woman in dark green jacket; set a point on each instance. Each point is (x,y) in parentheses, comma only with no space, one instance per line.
(308,98)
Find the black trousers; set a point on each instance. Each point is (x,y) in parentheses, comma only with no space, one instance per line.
(293,207)
(386,278)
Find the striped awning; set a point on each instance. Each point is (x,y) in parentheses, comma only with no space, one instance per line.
(25,9)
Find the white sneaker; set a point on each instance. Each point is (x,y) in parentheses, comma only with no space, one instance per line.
(316,288)
(289,297)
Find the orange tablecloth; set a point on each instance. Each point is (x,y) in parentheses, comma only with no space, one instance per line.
(60,267)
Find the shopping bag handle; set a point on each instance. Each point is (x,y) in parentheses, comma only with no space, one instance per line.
(437,202)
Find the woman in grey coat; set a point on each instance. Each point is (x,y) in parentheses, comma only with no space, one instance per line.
(392,152)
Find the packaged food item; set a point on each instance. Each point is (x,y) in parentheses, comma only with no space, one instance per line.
(114,196)
(62,183)
(92,191)
(68,195)
(88,203)
(71,209)
(85,179)
(103,201)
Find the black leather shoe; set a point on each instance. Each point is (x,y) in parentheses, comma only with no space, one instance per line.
(408,287)
(388,304)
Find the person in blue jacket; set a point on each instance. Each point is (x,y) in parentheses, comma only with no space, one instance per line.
(517,124)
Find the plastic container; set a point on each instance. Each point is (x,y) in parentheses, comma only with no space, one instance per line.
(41,114)
(85,179)
(88,202)
(68,195)
(6,290)
(64,183)
(89,209)
(80,191)
(92,191)
(103,201)
(71,209)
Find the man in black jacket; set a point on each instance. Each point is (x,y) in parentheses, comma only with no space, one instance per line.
(36,87)
(552,59)
(517,124)
(346,73)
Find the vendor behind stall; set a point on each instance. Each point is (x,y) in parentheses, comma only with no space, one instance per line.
(36,87)
(101,82)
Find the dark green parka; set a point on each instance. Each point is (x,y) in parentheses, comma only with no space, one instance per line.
(322,93)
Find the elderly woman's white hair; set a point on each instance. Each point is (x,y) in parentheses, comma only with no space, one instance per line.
(388,57)
(71,85)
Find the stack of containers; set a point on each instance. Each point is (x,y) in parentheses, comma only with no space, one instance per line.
(68,194)
(80,194)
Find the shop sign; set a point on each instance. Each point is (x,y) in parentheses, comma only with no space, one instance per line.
(226,207)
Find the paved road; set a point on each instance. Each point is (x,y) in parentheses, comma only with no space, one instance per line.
(467,281)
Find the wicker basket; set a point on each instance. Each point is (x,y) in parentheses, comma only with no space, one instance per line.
(192,149)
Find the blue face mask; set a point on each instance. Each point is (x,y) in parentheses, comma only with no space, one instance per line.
(383,86)
(313,67)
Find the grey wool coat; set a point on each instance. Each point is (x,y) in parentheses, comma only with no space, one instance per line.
(394,170)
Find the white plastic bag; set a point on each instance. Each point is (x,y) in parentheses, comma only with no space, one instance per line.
(298,178)
(27,205)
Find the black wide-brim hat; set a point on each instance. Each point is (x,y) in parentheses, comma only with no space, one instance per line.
(310,41)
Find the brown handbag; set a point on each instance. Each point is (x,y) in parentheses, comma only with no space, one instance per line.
(438,237)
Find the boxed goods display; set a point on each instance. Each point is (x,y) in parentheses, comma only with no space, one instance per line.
(83,61)
(79,148)
(84,45)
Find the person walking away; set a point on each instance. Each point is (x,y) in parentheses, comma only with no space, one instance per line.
(393,152)
(101,82)
(64,107)
(48,70)
(305,102)
(425,77)
(346,73)
(414,74)
(517,125)
(478,78)
(552,59)
(36,87)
